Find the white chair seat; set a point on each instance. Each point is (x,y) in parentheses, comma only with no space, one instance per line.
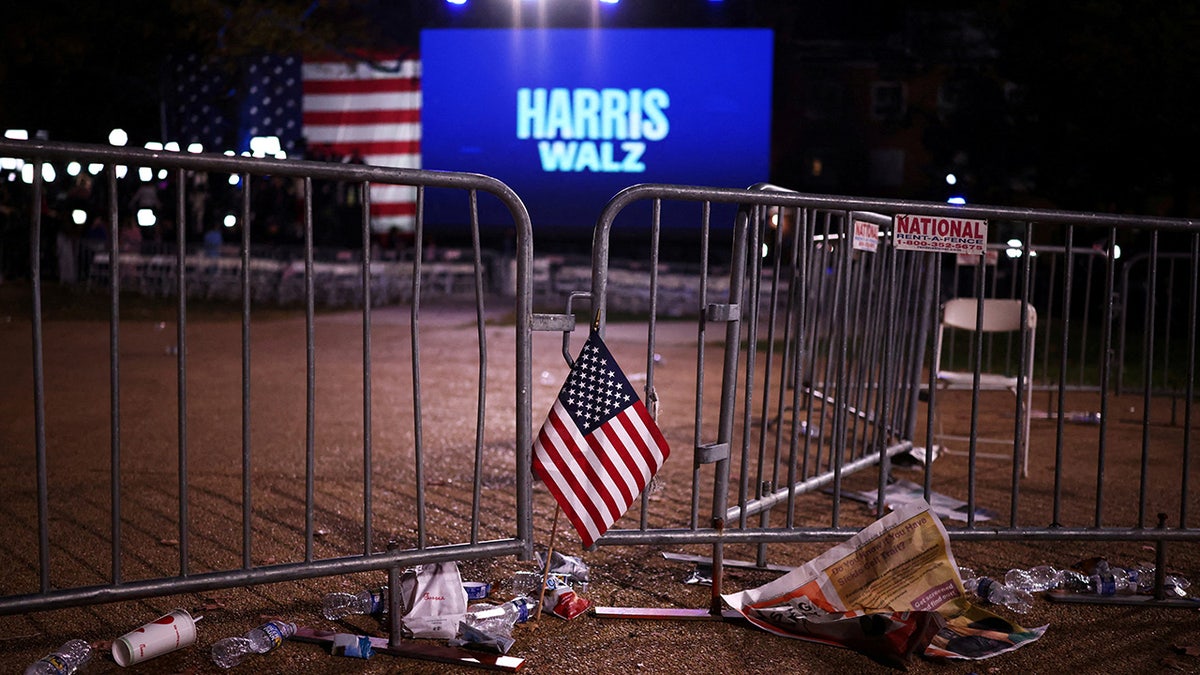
(955,380)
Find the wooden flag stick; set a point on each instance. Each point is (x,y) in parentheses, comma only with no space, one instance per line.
(546,573)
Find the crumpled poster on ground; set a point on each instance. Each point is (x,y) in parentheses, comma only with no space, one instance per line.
(890,591)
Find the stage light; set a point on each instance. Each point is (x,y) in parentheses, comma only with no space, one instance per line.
(154,145)
(234,179)
(48,174)
(118,137)
(951,179)
(146,218)
(171,147)
(162,174)
(79,216)
(957,201)
(17,134)
(230,220)
(146,174)
(95,168)
(27,174)
(122,171)
(11,163)
(195,147)
(74,168)
(459,3)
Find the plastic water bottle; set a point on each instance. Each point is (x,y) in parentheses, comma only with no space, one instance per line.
(1017,600)
(230,651)
(66,660)
(1108,580)
(372,601)
(1173,584)
(1035,579)
(499,619)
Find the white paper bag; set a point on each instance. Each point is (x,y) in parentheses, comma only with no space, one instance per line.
(435,603)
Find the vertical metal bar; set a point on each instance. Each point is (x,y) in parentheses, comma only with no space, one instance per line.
(481,404)
(837,437)
(181,368)
(1168,317)
(1149,310)
(523,468)
(310,370)
(803,243)
(789,360)
(1064,342)
(1084,321)
(114,361)
(702,325)
(247,464)
(1047,323)
(651,398)
(1105,370)
(976,366)
(1024,372)
(395,609)
(752,309)
(652,319)
(859,357)
(873,384)
(39,387)
(733,330)
(887,371)
(766,399)
(932,323)
(368,460)
(815,315)
(926,312)
(1190,386)
(418,437)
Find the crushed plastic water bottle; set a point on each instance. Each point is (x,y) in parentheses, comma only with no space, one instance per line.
(1035,579)
(231,651)
(1173,584)
(996,593)
(499,619)
(65,660)
(371,602)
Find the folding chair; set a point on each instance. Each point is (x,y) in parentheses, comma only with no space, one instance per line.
(999,316)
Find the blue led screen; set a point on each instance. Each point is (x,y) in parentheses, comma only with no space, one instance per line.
(569,117)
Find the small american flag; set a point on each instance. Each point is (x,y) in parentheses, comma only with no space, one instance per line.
(370,111)
(599,447)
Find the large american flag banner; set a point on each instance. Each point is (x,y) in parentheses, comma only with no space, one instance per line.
(370,111)
(341,109)
(599,447)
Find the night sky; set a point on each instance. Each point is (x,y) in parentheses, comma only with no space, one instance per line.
(1101,119)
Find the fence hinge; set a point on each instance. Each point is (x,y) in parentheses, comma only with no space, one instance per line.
(723,312)
(564,323)
(711,452)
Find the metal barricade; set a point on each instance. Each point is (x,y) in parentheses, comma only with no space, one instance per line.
(286,472)
(825,373)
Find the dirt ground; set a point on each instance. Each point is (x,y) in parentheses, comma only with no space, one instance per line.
(1080,638)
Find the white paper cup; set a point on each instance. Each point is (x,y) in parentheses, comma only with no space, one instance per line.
(165,634)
